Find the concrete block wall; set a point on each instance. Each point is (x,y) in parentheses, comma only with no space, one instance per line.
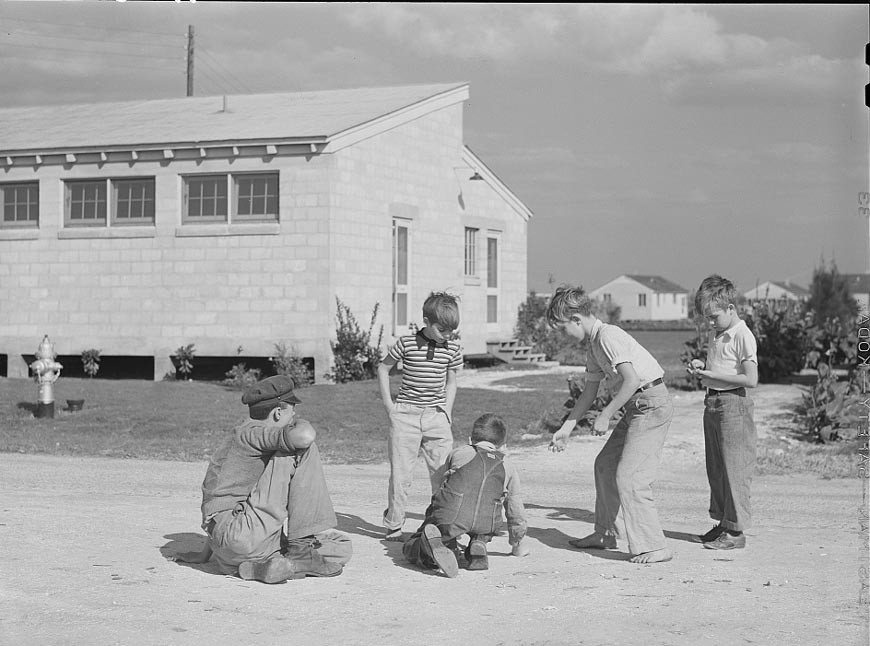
(148,290)
(416,172)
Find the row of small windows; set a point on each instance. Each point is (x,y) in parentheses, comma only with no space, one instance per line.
(131,201)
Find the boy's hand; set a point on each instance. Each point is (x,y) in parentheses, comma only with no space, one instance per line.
(601,425)
(560,437)
(521,549)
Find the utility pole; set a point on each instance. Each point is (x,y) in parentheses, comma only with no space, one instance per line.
(190,60)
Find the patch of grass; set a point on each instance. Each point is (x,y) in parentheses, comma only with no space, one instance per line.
(187,421)
(828,461)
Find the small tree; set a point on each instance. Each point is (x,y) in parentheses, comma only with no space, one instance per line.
(830,297)
(287,363)
(91,362)
(184,359)
(356,358)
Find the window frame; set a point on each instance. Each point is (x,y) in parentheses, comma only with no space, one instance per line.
(231,196)
(108,197)
(471,264)
(29,223)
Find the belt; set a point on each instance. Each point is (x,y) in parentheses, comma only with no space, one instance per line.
(650,384)
(730,391)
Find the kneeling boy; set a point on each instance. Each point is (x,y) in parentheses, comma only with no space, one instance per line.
(477,483)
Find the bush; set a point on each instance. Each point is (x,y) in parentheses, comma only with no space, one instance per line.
(287,363)
(556,345)
(356,359)
(780,329)
(183,359)
(239,377)
(831,409)
(696,348)
(576,386)
(91,362)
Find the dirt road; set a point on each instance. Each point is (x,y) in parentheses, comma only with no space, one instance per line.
(85,543)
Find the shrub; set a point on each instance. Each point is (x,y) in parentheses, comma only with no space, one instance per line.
(556,345)
(356,359)
(576,386)
(695,348)
(780,329)
(287,363)
(91,362)
(830,297)
(240,377)
(831,409)
(184,360)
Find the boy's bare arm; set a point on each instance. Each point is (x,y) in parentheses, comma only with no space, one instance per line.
(747,378)
(587,397)
(630,383)
(450,392)
(384,368)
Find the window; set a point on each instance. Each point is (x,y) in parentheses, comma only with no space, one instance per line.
(253,197)
(401,279)
(492,280)
(87,202)
(606,297)
(641,300)
(470,252)
(20,204)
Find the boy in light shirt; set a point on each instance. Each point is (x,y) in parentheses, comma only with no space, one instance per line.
(729,429)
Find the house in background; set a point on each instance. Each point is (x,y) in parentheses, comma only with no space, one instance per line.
(859,286)
(771,290)
(234,223)
(645,298)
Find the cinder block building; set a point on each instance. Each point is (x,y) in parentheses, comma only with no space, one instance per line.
(234,223)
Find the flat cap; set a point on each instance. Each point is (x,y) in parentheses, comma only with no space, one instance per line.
(264,395)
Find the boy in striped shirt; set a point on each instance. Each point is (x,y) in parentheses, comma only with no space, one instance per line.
(420,417)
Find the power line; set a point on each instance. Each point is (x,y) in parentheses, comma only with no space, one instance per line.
(228,72)
(224,83)
(93,52)
(110,29)
(105,63)
(24,32)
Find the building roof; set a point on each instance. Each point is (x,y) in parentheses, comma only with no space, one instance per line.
(760,289)
(305,116)
(858,283)
(658,284)
(797,290)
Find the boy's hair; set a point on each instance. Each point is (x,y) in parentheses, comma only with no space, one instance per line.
(489,427)
(566,302)
(442,309)
(715,291)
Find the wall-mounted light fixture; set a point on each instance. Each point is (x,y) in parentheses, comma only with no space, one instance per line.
(477,176)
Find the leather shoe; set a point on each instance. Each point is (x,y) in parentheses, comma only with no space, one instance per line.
(275,569)
(442,554)
(307,561)
(727,542)
(476,555)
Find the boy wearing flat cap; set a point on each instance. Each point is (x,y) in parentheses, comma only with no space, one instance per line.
(265,506)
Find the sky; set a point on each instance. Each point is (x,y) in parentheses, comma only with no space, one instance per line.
(669,139)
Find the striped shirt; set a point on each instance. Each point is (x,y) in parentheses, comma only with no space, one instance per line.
(424,368)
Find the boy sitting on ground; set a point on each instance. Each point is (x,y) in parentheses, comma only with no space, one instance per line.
(265,506)
(479,480)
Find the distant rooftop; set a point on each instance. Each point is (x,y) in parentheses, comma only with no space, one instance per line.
(858,283)
(658,284)
(200,120)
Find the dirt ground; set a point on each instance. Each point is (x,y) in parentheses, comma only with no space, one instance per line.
(86,545)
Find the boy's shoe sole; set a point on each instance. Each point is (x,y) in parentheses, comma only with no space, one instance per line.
(276,569)
(443,555)
(477,558)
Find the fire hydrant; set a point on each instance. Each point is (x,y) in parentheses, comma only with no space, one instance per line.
(45,372)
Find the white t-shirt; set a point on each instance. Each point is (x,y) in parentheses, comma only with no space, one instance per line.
(727,352)
(609,346)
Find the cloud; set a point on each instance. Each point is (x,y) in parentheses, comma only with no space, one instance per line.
(685,47)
